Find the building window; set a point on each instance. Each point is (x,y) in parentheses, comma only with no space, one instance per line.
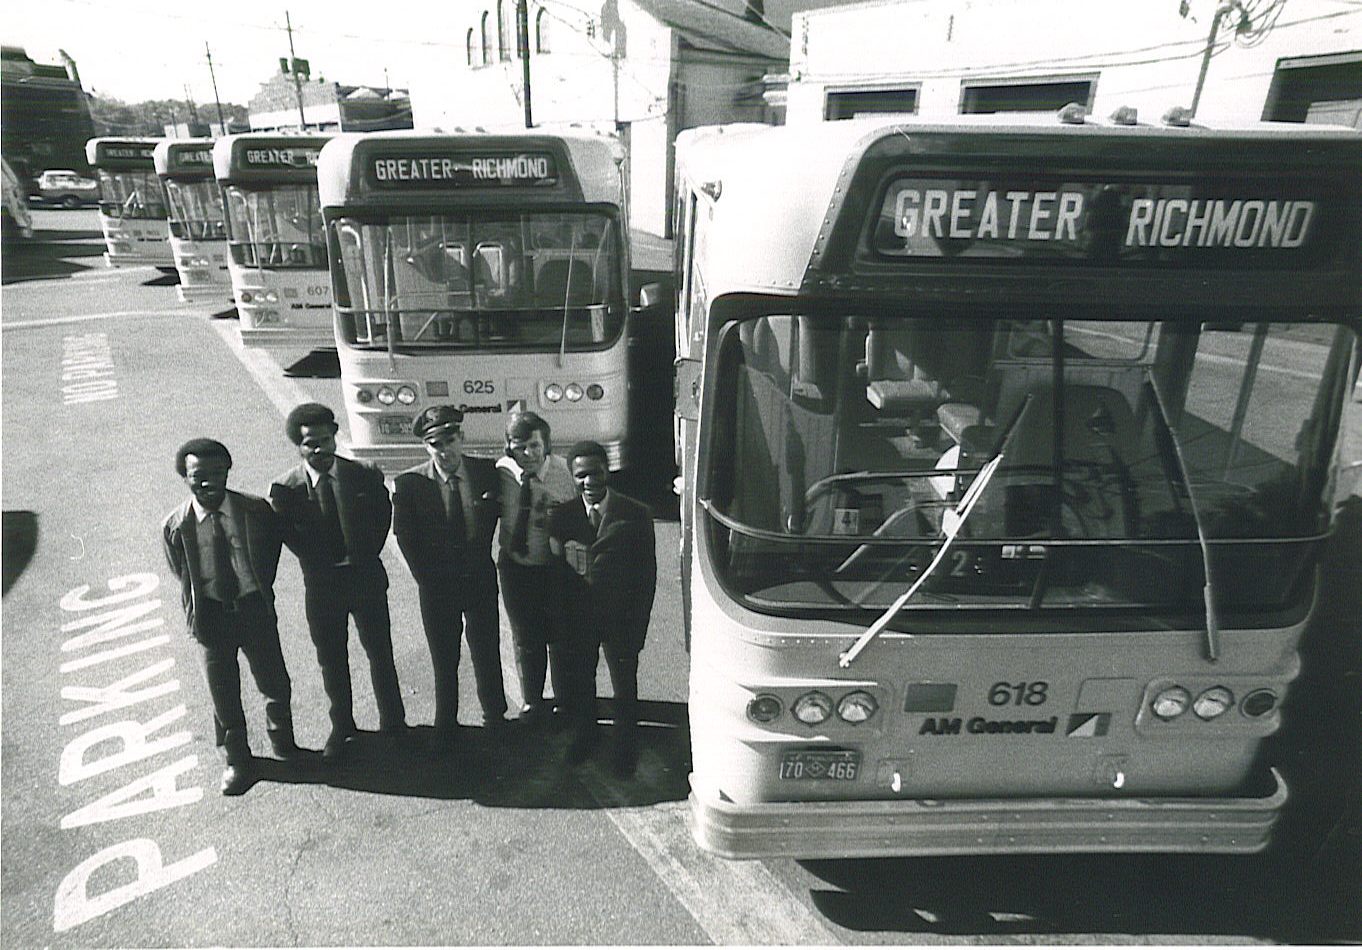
(849,103)
(1028,95)
(469,44)
(503,33)
(486,40)
(1325,89)
(541,31)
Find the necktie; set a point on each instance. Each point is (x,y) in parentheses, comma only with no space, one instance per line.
(228,586)
(520,536)
(454,508)
(335,536)
(594,513)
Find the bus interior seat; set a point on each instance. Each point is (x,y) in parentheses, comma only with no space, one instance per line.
(552,287)
(895,384)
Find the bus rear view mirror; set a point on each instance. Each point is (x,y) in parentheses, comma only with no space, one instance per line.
(651,296)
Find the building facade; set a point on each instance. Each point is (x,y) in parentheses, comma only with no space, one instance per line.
(1267,59)
(645,69)
(326,106)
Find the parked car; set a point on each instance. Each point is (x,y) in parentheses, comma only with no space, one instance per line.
(15,221)
(60,186)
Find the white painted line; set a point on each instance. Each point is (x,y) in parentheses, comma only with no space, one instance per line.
(82,318)
(734,902)
(282,391)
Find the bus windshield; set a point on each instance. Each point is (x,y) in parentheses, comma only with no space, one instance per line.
(276,226)
(852,434)
(131,194)
(527,281)
(196,210)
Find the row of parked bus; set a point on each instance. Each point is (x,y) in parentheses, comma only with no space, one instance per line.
(1010,447)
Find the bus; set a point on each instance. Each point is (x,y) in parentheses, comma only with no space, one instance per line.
(198,236)
(278,248)
(1010,449)
(483,270)
(132,206)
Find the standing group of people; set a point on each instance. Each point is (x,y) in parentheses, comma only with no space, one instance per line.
(576,568)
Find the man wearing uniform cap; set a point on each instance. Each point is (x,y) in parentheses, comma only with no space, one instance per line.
(444,515)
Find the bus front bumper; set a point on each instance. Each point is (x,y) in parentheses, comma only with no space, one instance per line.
(288,339)
(925,828)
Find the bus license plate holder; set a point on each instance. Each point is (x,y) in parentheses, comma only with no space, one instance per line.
(820,764)
(395,425)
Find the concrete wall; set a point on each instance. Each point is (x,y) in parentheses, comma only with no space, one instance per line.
(1142,54)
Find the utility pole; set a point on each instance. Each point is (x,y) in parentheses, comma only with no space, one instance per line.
(1220,13)
(191,104)
(222,126)
(522,24)
(293,68)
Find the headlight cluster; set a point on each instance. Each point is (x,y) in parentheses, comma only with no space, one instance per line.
(195,262)
(573,392)
(387,395)
(1210,703)
(258,296)
(814,707)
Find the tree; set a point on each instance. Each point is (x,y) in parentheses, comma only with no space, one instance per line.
(116,117)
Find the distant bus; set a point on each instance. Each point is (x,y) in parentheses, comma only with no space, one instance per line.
(132,206)
(45,114)
(198,237)
(487,271)
(277,241)
(1010,450)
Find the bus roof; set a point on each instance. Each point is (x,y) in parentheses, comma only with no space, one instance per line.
(800,197)
(122,153)
(184,158)
(268,156)
(407,166)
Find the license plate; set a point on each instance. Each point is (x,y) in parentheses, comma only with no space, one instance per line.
(394,425)
(841,765)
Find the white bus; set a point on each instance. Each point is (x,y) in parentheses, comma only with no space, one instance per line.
(132,206)
(1011,449)
(198,237)
(278,246)
(488,271)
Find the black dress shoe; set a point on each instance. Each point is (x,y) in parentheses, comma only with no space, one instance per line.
(337,747)
(236,779)
(285,748)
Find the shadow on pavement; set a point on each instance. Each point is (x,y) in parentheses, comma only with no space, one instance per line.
(48,256)
(163,280)
(20,539)
(319,364)
(228,314)
(522,769)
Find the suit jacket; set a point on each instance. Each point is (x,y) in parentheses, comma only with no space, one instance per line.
(261,534)
(432,551)
(365,516)
(616,595)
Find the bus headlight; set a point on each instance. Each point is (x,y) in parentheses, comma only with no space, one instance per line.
(812,708)
(1213,702)
(573,392)
(595,391)
(1171,702)
(856,707)
(406,395)
(386,395)
(364,396)
(553,392)
(1260,702)
(764,708)
(246,296)
(271,296)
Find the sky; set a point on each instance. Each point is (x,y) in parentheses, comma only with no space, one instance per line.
(143,49)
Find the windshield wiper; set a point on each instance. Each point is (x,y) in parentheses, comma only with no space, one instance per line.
(1184,482)
(952,520)
(567,297)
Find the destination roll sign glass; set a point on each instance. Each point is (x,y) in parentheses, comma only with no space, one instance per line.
(191,159)
(466,170)
(137,153)
(1227,224)
(279,157)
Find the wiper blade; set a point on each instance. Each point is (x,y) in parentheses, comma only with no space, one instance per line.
(952,520)
(1185,483)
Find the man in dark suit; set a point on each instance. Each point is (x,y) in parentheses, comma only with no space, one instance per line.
(608,576)
(223,546)
(336,513)
(444,515)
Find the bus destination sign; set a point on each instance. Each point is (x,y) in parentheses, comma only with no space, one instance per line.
(1098,221)
(486,170)
(192,158)
(141,153)
(291,156)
